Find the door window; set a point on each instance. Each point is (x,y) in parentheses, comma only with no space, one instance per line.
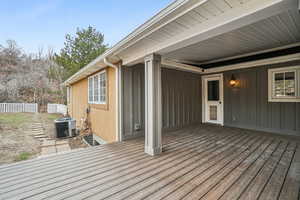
(213,93)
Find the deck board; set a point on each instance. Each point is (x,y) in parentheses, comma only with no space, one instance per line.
(200,162)
(218,183)
(256,187)
(100,174)
(236,189)
(273,187)
(292,180)
(171,183)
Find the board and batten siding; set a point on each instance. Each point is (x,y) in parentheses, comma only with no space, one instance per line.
(133,101)
(181,99)
(247,106)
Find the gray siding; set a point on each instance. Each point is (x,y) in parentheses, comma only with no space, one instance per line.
(181,99)
(133,100)
(247,106)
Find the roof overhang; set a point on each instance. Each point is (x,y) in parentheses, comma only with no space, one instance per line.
(193,31)
(185,23)
(133,37)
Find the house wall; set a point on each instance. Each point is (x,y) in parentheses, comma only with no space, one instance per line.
(181,99)
(247,105)
(102,117)
(133,101)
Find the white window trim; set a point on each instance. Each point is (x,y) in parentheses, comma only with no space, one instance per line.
(99,89)
(271,74)
(69,94)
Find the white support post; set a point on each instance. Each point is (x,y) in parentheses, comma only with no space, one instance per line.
(153,115)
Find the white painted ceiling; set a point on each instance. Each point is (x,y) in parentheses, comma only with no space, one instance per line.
(276,31)
(282,28)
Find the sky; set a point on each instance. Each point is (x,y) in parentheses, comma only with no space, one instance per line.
(35,24)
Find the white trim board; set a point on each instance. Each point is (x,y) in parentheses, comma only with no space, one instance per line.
(193,69)
(171,64)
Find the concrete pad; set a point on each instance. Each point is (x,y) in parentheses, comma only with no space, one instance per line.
(38,130)
(61,142)
(48,143)
(40,136)
(62,148)
(48,150)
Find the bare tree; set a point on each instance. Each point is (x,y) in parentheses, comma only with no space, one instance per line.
(31,78)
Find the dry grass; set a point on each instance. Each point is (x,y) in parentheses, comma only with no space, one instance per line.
(16,140)
(14,120)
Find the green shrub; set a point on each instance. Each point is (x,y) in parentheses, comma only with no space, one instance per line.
(23,156)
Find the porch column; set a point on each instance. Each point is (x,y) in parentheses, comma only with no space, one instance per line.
(153,115)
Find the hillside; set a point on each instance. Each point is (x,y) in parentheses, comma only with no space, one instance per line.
(29,78)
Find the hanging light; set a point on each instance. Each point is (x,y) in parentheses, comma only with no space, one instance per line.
(233,81)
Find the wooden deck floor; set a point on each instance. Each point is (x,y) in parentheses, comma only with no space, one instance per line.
(203,162)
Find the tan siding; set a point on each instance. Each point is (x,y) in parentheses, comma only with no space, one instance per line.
(102,118)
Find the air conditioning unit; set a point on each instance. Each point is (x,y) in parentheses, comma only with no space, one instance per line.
(65,127)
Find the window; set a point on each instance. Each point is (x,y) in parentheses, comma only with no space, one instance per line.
(284,84)
(213,90)
(97,88)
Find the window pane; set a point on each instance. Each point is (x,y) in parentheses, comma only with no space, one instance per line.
(213,90)
(290,83)
(96,89)
(103,88)
(285,84)
(279,84)
(90,89)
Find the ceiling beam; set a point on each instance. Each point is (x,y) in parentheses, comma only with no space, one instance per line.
(168,63)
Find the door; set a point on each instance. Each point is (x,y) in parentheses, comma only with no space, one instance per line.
(213,99)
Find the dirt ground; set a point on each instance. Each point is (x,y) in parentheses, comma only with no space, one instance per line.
(16,140)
